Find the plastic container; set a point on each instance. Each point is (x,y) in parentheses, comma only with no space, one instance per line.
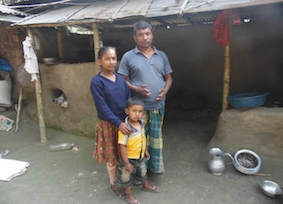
(60,147)
(247,100)
(5,93)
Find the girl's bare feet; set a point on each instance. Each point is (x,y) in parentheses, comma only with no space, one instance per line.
(119,192)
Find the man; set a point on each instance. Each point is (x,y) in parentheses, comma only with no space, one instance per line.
(148,72)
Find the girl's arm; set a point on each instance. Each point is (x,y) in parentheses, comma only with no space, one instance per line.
(101,105)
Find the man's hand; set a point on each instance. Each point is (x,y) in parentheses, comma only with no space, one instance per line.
(162,93)
(143,90)
(147,155)
(125,128)
(129,167)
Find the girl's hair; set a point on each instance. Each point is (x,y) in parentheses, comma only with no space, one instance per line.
(105,49)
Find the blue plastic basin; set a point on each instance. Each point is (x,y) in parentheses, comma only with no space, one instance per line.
(247,100)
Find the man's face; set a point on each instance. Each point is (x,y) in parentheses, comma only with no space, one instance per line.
(143,38)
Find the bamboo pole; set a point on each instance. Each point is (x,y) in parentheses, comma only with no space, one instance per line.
(60,44)
(19,108)
(226,78)
(39,103)
(227,69)
(96,41)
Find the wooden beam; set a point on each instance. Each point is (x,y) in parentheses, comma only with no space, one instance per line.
(38,92)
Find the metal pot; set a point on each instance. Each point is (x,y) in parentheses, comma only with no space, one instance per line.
(50,60)
(270,188)
(216,165)
(246,161)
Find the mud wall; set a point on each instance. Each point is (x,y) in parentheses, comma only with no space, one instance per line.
(11,46)
(258,129)
(11,50)
(73,80)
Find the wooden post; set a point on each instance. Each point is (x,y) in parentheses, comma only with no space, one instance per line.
(96,41)
(60,43)
(227,68)
(39,36)
(39,103)
(226,78)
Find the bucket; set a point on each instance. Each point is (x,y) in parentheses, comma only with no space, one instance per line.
(5,93)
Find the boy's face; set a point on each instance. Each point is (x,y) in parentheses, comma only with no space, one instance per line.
(135,112)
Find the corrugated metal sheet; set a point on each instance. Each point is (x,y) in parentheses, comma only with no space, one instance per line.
(225,4)
(9,18)
(108,10)
(172,7)
(7,10)
(51,17)
(118,9)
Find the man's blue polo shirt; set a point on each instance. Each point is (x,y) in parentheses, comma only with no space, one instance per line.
(141,70)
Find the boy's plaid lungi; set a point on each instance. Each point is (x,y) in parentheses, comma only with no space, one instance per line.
(153,128)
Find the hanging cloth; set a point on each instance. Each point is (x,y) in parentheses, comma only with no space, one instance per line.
(31,64)
(221,31)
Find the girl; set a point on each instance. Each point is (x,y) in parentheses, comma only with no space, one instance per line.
(110,94)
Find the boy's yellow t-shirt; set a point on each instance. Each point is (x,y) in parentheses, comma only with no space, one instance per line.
(135,142)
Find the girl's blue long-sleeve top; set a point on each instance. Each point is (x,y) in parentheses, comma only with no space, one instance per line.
(110,98)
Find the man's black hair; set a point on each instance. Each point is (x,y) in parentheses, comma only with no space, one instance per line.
(141,25)
(134,101)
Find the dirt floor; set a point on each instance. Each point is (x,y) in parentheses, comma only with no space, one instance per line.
(68,177)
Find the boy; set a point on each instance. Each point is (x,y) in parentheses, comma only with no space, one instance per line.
(133,152)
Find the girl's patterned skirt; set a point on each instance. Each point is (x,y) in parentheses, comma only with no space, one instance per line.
(106,145)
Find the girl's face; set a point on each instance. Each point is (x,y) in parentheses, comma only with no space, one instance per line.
(108,61)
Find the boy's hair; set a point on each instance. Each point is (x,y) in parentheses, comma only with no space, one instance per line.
(103,50)
(134,101)
(141,25)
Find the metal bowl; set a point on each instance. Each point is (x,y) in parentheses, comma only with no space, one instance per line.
(247,161)
(270,188)
(50,60)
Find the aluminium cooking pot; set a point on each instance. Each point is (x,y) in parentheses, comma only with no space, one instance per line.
(246,161)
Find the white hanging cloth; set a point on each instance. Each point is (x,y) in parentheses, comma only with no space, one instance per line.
(31,63)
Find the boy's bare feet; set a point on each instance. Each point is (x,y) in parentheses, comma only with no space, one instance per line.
(130,198)
(150,188)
